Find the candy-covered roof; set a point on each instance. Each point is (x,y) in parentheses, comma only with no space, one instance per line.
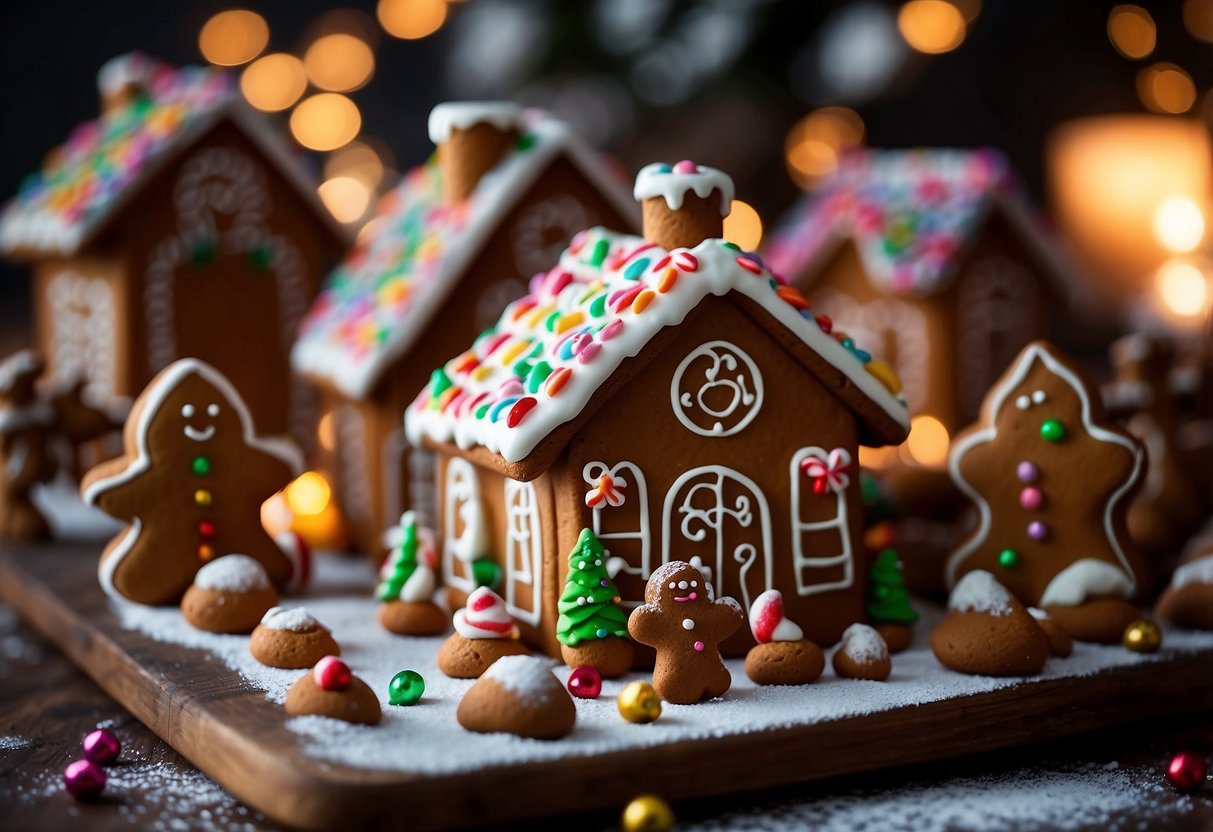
(611,293)
(375,305)
(909,214)
(106,159)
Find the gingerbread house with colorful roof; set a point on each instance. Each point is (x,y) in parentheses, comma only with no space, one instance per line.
(177,223)
(933,259)
(460,237)
(671,394)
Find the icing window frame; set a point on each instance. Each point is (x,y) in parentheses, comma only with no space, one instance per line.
(523,549)
(591,473)
(461,501)
(840,521)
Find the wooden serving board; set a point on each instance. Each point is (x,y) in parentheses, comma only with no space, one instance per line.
(238,737)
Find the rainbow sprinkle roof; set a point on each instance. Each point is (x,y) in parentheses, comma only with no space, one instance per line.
(610,294)
(105,159)
(375,305)
(909,213)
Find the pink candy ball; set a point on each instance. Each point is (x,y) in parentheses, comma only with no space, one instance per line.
(331,673)
(686,166)
(585,683)
(84,779)
(1031,498)
(102,746)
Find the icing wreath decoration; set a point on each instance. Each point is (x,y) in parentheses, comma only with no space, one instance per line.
(828,474)
(606,490)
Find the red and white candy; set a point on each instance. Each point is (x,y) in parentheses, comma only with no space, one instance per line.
(485,616)
(767,621)
(330,673)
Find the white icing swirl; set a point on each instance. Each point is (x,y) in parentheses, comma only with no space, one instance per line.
(1199,571)
(659,179)
(484,617)
(460,115)
(420,585)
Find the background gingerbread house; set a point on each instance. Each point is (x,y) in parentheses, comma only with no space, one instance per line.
(459,238)
(676,400)
(933,259)
(177,223)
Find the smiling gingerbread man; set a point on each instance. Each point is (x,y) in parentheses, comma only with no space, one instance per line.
(190,486)
(685,624)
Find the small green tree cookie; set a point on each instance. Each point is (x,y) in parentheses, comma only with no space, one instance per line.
(402,561)
(888,598)
(589,606)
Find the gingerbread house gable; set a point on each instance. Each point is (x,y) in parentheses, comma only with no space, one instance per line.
(108,163)
(911,216)
(379,302)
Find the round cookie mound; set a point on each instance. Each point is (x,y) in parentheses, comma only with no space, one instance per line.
(357,703)
(229,595)
(784,663)
(291,639)
(518,695)
(987,632)
(862,654)
(1188,601)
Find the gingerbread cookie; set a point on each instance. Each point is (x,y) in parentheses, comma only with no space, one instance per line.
(1188,599)
(331,690)
(291,638)
(406,588)
(229,595)
(1051,480)
(685,624)
(484,632)
(783,656)
(1060,642)
(26,422)
(190,486)
(1098,620)
(862,654)
(889,607)
(987,632)
(592,627)
(518,695)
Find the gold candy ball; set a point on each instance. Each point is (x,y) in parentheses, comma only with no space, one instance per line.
(1142,637)
(638,702)
(647,813)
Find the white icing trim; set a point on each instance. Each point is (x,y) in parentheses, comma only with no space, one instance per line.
(987,434)
(151,399)
(462,115)
(591,473)
(1199,571)
(659,180)
(461,501)
(123,70)
(724,355)
(1085,579)
(523,549)
(712,519)
(83,336)
(802,561)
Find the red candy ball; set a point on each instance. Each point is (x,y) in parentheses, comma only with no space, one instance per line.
(102,746)
(331,673)
(1186,771)
(585,683)
(84,779)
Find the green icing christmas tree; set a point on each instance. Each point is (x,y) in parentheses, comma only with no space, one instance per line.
(403,561)
(888,598)
(589,606)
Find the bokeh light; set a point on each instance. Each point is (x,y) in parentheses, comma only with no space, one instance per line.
(309,493)
(1132,31)
(339,62)
(1183,288)
(346,198)
(1166,88)
(928,442)
(326,434)
(743,226)
(815,143)
(359,160)
(1179,224)
(233,37)
(1198,19)
(325,121)
(273,82)
(931,26)
(411,19)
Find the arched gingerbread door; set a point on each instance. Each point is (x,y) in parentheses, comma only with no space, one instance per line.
(721,516)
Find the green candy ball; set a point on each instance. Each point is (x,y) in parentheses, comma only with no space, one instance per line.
(1008,558)
(405,688)
(486,572)
(1052,431)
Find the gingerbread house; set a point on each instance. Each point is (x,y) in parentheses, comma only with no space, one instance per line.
(177,223)
(933,259)
(458,239)
(669,393)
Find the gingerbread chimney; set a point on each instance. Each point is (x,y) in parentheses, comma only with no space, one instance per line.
(684,204)
(123,79)
(472,137)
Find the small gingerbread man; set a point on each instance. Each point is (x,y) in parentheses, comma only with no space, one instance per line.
(190,486)
(685,624)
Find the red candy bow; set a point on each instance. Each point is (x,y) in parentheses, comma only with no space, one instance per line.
(828,473)
(607,490)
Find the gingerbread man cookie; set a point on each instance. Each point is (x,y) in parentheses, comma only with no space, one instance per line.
(1052,481)
(190,486)
(682,621)
(26,422)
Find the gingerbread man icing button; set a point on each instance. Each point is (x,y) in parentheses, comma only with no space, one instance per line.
(685,624)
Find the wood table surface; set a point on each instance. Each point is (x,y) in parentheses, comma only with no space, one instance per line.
(49,704)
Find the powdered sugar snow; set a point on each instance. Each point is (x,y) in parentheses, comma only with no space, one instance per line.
(863,644)
(524,676)
(294,619)
(979,591)
(232,573)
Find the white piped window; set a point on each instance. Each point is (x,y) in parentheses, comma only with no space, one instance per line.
(523,550)
(819,544)
(463,522)
(630,549)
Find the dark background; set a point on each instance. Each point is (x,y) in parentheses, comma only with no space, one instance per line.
(1023,68)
